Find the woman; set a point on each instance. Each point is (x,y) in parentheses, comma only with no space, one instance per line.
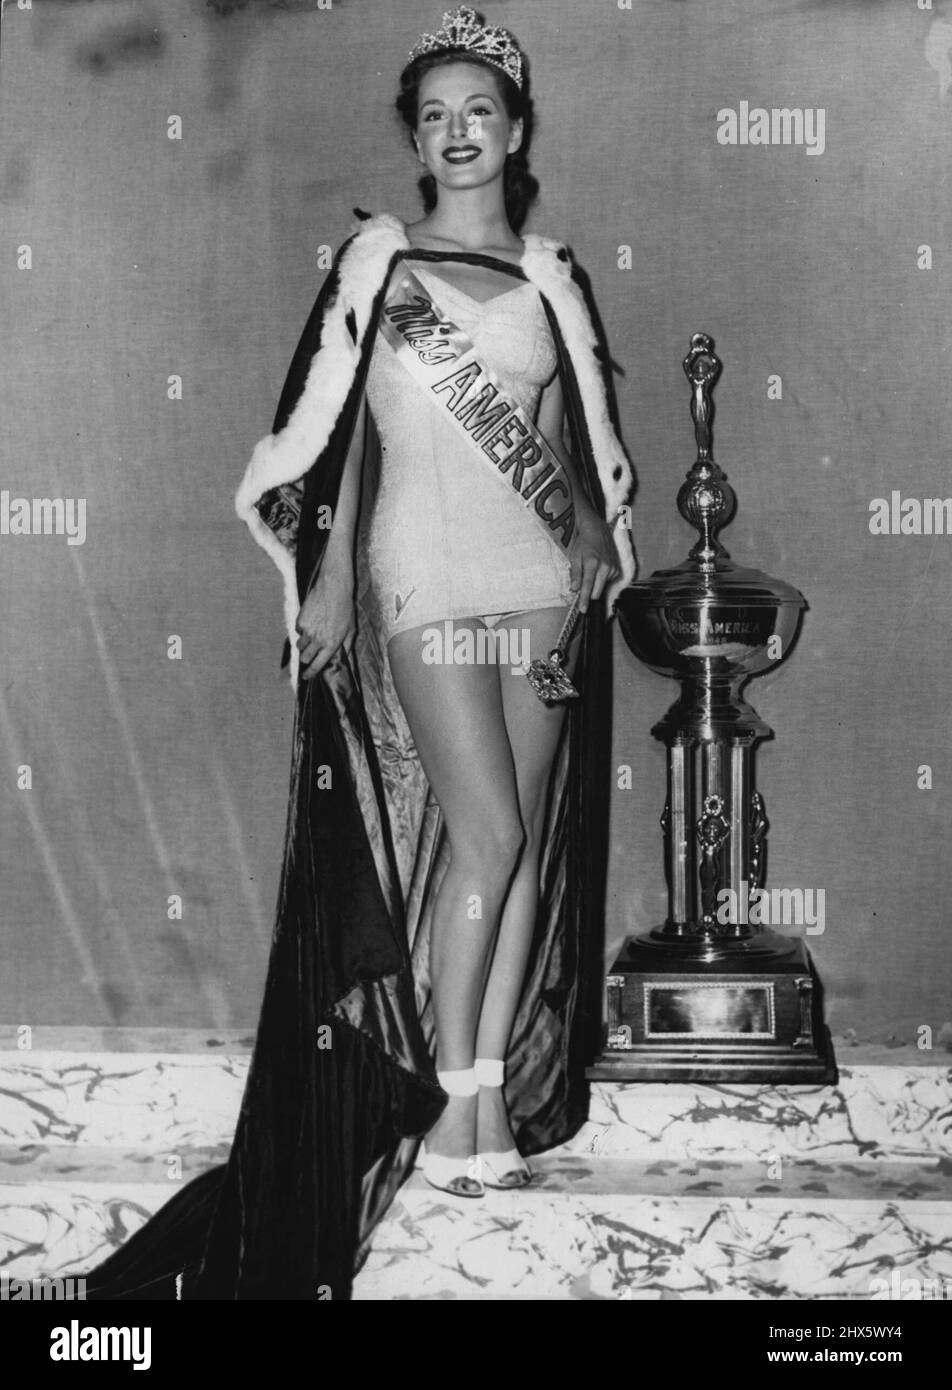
(444,849)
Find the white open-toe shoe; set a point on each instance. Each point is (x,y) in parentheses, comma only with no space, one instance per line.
(502,1170)
(458,1176)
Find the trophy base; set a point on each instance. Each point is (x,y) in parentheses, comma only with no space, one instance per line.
(746,1017)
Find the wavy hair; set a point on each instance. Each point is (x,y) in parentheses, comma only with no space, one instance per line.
(520,187)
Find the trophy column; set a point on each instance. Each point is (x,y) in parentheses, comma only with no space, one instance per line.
(710,995)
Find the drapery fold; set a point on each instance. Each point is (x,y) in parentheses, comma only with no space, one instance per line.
(342,1083)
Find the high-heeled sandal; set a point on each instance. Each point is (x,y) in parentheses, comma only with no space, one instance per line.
(501,1170)
(457,1176)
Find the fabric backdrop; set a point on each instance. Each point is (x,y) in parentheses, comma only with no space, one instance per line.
(132,261)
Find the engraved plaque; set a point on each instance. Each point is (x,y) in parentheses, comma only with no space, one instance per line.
(709,1009)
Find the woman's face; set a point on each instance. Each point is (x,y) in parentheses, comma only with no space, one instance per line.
(463,131)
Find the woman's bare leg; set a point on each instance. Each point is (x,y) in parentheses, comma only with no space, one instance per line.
(456,717)
(533,730)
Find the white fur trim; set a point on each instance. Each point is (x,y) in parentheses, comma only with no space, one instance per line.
(553,277)
(284,559)
(287,456)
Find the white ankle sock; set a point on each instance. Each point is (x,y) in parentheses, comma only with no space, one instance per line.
(459,1083)
(490,1071)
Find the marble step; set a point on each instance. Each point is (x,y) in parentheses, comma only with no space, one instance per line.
(873,1113)
(668,1191)
(573,1239)
(558,1170)
(589,1227)
(32,1164)
(182,1102)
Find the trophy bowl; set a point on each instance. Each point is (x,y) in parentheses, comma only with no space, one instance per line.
(712,632)
(708,622)
(725,624)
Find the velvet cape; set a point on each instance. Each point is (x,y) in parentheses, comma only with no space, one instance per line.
(341,1084)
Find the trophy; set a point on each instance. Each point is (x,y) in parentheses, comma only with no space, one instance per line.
(711,995)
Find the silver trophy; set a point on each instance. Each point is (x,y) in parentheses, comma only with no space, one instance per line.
(701,998)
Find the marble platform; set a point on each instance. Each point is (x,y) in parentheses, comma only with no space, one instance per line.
(669,1191)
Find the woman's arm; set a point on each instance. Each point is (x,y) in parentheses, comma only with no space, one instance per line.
(596,557)
(326,620)
(339,551)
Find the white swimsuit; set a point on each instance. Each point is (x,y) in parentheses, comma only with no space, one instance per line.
(444,540)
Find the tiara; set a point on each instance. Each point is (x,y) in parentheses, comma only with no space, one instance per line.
(461,29)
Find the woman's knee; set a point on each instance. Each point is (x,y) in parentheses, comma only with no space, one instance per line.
(491,841)
(532,810)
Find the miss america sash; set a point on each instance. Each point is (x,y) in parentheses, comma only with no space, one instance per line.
(442,360)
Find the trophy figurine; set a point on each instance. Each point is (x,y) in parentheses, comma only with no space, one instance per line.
(710,995)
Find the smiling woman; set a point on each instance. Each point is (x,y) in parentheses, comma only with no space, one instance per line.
(445,856)
(467,109)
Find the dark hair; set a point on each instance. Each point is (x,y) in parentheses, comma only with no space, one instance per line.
(519,186)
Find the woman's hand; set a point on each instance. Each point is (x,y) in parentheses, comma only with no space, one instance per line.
(595,561)
(326,621)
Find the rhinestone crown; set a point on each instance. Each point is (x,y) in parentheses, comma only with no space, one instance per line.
(462,29)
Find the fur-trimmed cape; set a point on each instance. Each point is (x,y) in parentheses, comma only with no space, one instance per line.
(342,1083)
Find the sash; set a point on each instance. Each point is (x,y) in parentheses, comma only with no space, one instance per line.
(443,361)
